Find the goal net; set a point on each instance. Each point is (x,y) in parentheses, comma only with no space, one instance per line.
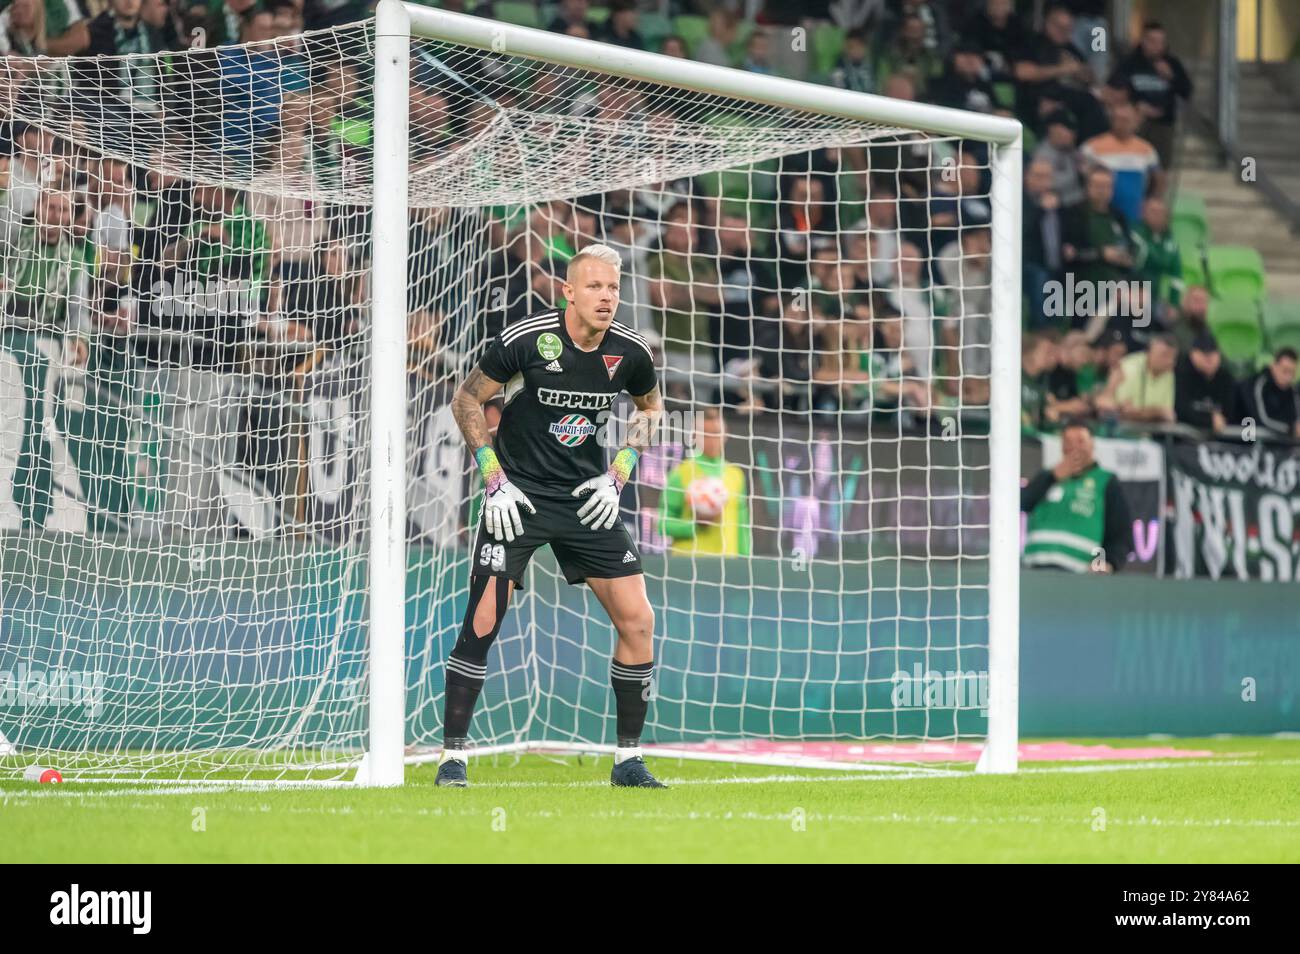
(201,256)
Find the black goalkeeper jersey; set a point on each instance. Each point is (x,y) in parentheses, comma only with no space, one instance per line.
(558,398)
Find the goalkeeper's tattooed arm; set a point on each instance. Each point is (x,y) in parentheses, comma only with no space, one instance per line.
(501,499)
(467,408)
(601,509)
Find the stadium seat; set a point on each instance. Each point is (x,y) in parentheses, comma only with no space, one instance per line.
(654,27)
(743,30)
(827,44)
(1236,271)
(1193,267)
(522,14)
(1236,326)
(1189,220)
(1190,239)
(692,29)
(1282,324)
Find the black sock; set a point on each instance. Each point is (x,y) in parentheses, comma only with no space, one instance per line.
(458,705)
(467,663)
(631,682)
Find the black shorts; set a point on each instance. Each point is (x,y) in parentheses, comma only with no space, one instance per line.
(580,550)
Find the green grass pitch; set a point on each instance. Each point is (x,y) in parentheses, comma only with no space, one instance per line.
(1239,806)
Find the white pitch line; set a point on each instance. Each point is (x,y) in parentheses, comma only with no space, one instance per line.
(160,787)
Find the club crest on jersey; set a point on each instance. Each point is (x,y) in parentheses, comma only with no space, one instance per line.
(612,361)
(549,346)
(572,429)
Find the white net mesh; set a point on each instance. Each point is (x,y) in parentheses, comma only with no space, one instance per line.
(183,492)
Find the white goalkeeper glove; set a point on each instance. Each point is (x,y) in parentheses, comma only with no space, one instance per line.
(601,509)
(501,511)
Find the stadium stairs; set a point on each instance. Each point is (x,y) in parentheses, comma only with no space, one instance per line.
(1240,213)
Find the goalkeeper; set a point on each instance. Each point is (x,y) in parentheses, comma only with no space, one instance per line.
(546,483)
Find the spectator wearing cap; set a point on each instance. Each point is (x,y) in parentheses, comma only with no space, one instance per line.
(965,84)
(1141,389)
(1132,159)
(854,70)
(1060,148)
(1202,386)
(999,32)
(1269,398)
(1158,80)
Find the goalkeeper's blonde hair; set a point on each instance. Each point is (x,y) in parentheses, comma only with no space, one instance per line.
(600,253)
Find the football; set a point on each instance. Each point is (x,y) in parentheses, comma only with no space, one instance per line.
(707,496)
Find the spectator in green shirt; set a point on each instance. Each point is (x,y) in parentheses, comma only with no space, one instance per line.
(1098,246)
(46,279)
(1157,257)
(223,241)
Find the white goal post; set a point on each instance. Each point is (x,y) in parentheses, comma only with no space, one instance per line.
(396,24)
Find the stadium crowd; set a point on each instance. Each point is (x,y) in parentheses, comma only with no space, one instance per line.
(860,284)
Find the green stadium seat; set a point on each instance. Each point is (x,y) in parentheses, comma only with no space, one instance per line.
(1193,267)
(827,44)
(1236,326)
(1190,239)
(521,14)
(743,30)
(692,29)
(1236,271)
(1282,324)
(1189,218)
(654,27)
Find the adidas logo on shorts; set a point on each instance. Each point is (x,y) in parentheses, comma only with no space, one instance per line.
(554,366)
(628,557)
